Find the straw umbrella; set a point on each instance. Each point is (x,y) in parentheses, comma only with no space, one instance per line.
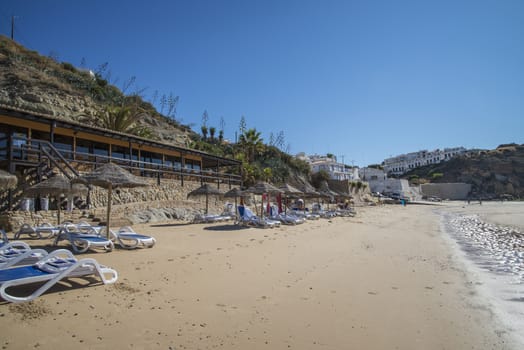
(234,193)
(205,190)
(56,186)
(8,181)
(290,191)
(326,192)
(308,191)
(261,188)
(110,176)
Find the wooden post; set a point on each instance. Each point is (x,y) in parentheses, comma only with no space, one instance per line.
(182,170)
(109,194)
(217,174)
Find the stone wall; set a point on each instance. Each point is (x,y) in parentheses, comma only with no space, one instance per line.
(455,191)
(154,203)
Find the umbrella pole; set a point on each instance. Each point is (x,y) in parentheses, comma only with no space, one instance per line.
(109,195)
(207,203)
(262,209)
(58,210)
(236,211)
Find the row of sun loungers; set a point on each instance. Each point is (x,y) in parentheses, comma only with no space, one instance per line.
(38,271)
(294,217)
(83,236)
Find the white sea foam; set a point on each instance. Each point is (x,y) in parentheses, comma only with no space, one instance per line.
(495,255)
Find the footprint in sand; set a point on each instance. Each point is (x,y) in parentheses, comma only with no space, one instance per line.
(32,310)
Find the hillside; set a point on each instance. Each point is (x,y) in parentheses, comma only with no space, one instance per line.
(492,173)
(43,85)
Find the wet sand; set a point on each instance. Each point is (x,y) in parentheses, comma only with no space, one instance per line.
(490,240)
(386,279)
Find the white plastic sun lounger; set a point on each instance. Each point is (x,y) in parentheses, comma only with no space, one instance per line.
(127,238)
(54,267)
(82,227)
(210,218)
(3,238)
(45,230)
(81,242)
(19,253)
(248,218)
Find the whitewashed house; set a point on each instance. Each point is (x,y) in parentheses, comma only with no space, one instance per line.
(403,163)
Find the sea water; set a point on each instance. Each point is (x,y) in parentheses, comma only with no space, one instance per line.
(494,255)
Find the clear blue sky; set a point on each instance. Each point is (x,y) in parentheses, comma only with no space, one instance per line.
(360,79)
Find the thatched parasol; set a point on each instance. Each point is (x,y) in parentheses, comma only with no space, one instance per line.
(56,186)
(326,192)
(308,191)
(262,188)
(234,193)
(290,192)
(205,190)
(110,176)
(7,180)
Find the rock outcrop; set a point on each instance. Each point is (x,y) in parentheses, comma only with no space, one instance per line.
(491,173)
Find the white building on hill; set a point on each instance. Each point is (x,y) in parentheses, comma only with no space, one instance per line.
(405,162)
(336,170)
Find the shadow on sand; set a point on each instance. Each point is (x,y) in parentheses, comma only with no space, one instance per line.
(227,227)
(172,225)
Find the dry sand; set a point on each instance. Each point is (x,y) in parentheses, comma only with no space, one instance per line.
(386,279)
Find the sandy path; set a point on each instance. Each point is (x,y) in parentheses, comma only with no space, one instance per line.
(385,279)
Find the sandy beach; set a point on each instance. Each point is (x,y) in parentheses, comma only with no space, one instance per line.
(389,278)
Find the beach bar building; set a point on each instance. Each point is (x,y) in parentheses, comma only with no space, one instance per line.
(38,144)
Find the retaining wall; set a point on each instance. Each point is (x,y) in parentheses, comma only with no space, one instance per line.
(454,191)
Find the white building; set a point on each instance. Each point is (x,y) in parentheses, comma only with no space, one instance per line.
(371,174)
(336,170)
(405,162)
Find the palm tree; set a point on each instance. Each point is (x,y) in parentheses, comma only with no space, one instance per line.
(204,131)
(122,119)
(252,144)
(212,131)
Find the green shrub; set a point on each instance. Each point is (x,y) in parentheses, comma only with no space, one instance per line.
(68,66)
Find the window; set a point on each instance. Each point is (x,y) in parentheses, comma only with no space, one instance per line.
(119,152)
(3,142)
(101,149)
(64,144)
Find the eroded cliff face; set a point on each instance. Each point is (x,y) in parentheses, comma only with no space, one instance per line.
(42,85)
(491,173)
(500,171)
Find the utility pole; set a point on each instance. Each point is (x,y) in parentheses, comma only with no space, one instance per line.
(13,28)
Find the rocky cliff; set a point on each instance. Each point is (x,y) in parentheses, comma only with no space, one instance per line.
(492,173)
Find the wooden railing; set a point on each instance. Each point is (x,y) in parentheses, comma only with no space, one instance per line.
(35,152)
